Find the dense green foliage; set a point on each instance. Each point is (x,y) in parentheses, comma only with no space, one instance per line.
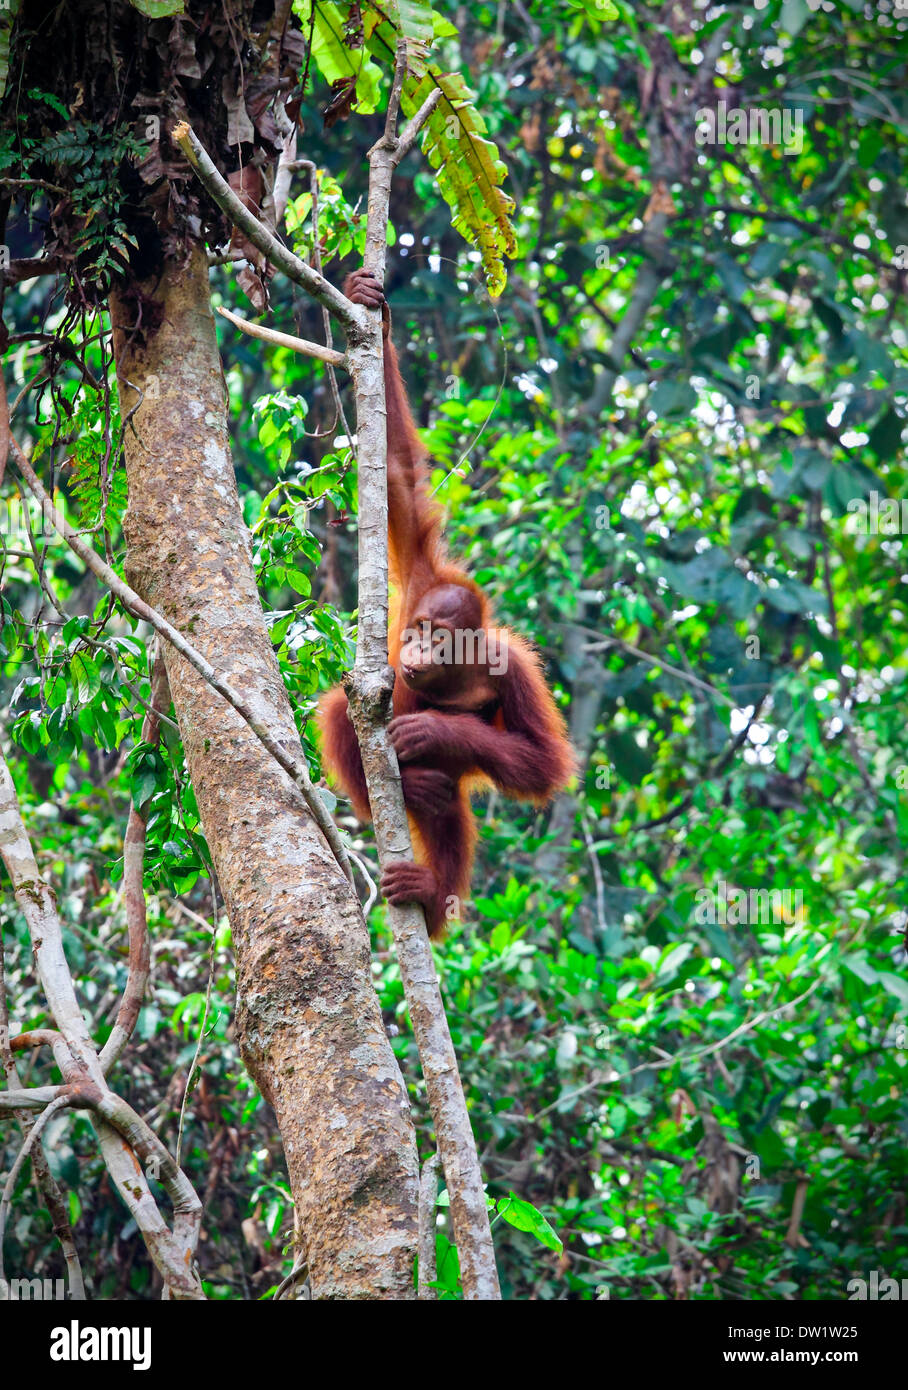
(678,527)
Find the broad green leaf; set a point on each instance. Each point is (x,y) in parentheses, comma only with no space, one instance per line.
(525,1217)
(858,965)
(85,675)
(334,60)
(415,21)
(158,9)
(469,172)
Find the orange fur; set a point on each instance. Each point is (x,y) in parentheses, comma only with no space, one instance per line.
(483,729)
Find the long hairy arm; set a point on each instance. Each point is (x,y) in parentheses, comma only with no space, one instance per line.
(414,522)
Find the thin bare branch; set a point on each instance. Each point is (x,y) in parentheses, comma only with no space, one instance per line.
(428,1193)
(271,335)
(414,126)
(30,267)
(4,426)
(75,1054)
(347,314)
(30,1098)
(51,1192)
(31,1138)
(608,642)
(369,694)
(397,86)
(133,887)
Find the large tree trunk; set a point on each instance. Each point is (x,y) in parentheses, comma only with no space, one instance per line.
(310,1027)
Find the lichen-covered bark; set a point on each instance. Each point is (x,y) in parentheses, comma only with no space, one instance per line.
(309,1023)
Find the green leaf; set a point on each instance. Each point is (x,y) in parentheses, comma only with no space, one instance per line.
(812,730)
(415,22)
(895,985)
(470,174)
(795,14)
(800,543)
(158,9)
(768,257)
(886,435)
(792,596)
(596,9)
(631,762)
(85,675)
(335,61)
(525,1217)
(672,398)
(300,581)
(143,786)
(858,965)
(672,962)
